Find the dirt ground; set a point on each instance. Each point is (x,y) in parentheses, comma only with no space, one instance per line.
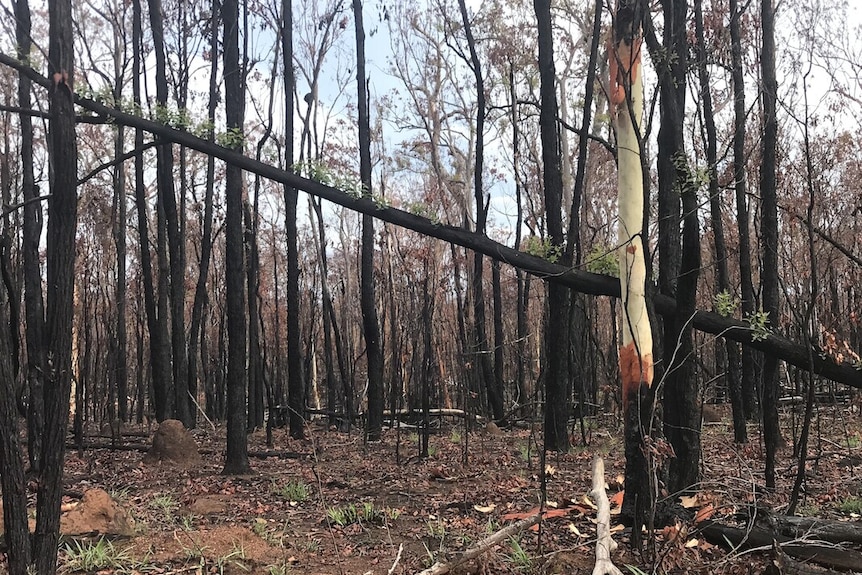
(331,505)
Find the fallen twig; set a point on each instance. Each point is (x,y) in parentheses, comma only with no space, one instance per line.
(397,559)
(482,546)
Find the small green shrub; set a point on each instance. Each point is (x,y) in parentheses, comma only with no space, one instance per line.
(294,491)
(366,512)
(851,505)
(166,505)
(98,555)
(519,558)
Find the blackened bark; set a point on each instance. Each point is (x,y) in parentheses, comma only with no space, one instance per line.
(34,309)
(62,220)
(499,337)
(174,266)
(370,324)
(236,460)
(295,384)
(159,358)
(749,385)
(254,362)
(521,299)
(201,297)
(731,365)
(16,532)
(679,264)
(558,384)
(580,320)
(120,341)
(769,232)
(490,378)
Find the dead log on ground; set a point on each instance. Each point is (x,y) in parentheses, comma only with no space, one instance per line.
(825,554)
(821,529)
(782,564)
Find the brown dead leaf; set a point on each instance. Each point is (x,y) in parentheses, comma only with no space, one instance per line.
(704,513)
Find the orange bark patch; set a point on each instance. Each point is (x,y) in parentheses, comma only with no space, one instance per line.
(635,369)
(630,58)
(631,249)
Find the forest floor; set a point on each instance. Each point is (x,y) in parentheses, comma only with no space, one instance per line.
(332,505)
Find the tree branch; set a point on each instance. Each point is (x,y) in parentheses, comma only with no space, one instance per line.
(578,280)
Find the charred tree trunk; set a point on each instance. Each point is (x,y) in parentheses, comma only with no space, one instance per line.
(769,232)
(159,357)
(749,376)
(254,362)
(34,309)
(370,323)
(558,383)
(236,460)
(490,379)
(199,303)
(62,220)
(170,264)
(679,265)
(731,365)
(295,384)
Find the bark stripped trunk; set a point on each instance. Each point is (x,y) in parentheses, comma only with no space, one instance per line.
(635,352)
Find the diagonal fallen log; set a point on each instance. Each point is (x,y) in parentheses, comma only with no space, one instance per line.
(581,281)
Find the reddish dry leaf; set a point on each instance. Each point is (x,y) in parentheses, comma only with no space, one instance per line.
(704,513)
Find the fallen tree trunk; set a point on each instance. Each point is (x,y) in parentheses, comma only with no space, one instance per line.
(581,281)
(823,553)
(821,529)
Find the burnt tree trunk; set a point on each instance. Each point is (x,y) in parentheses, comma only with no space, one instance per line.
(62,221)
(236,460)
(769,232)
(370,323)
(558,383)
(34,308)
